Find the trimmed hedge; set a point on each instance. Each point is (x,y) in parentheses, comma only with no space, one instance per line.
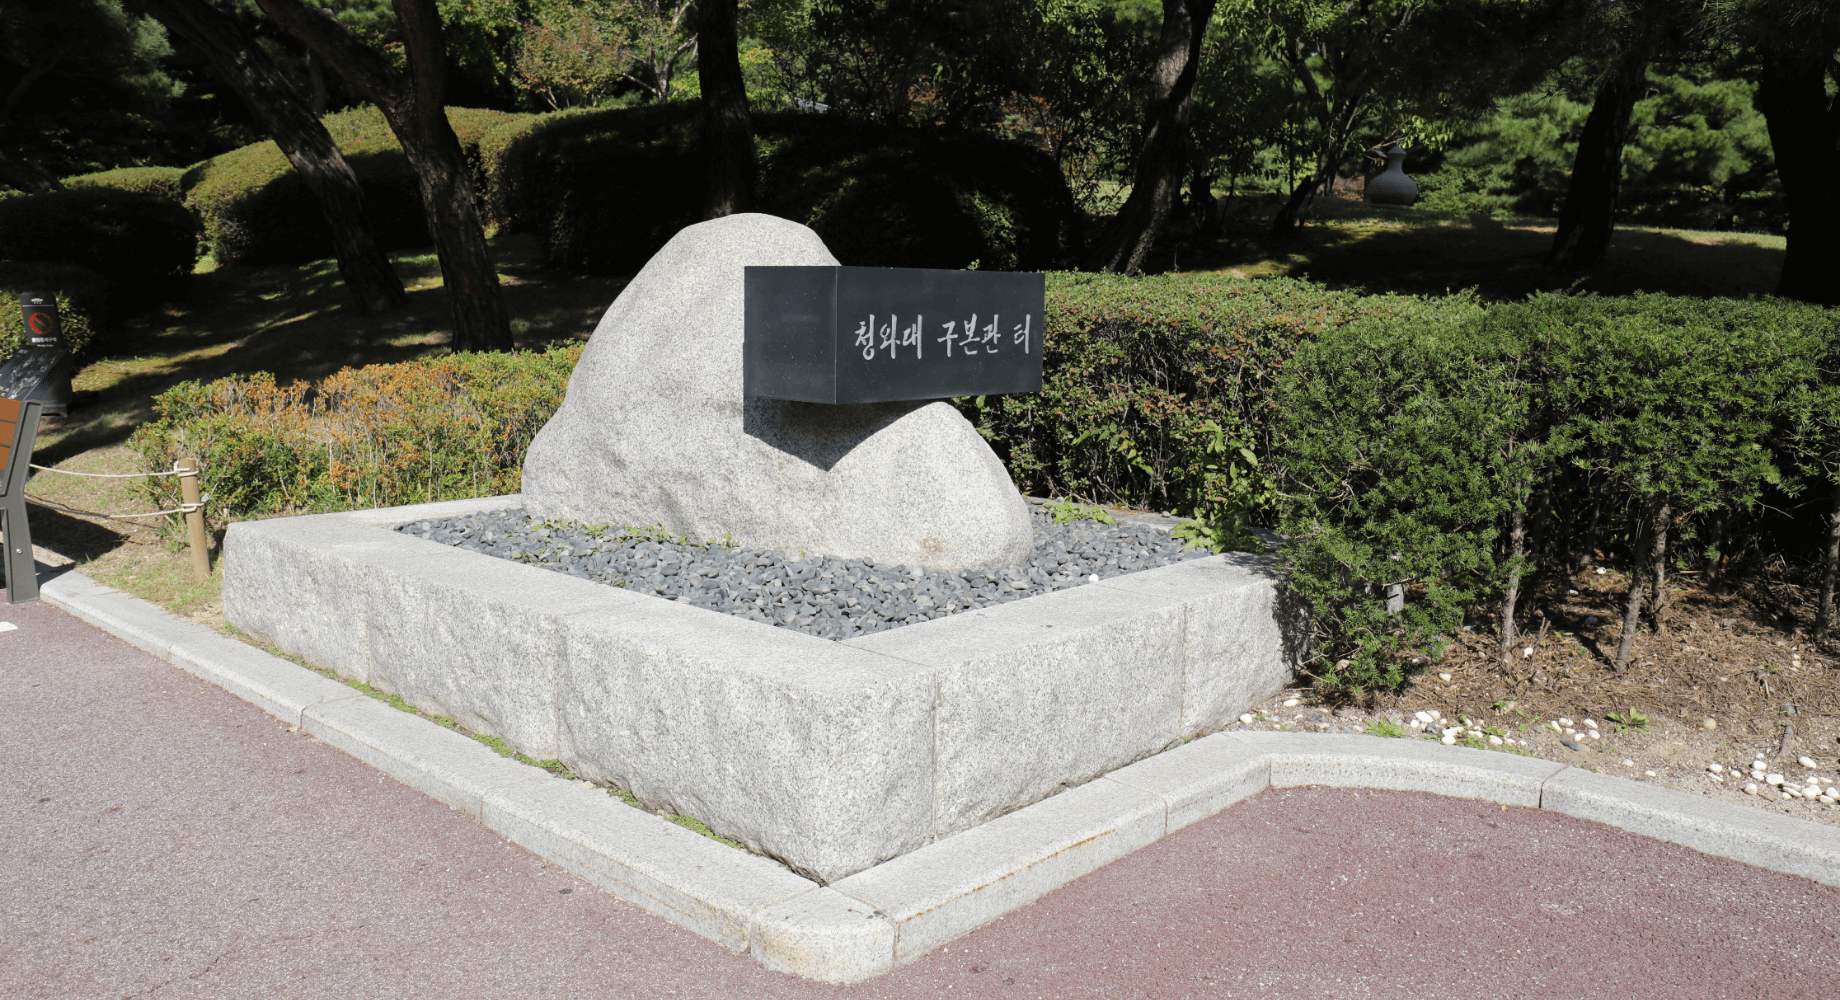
(256,209)
(606,189)
(448,428)
(1160,391)
(1413,454)
(167,182)
(144,244)
(82,298)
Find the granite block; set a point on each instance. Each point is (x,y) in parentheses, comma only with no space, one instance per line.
(1198,779)
(1401,764)
(965,881)
(270,683)
(1042,694)
(478,639)
(1742,833)
(812,752)
(392,517)
(302,584)
(708,888)
(440,763)
(1234,652)
(823,935)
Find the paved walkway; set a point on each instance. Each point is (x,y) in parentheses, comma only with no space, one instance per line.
(160,838)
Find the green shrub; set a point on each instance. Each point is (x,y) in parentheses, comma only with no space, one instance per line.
(380,436)
(82,298)
(1158,391)
(256,209)
(1394,449)
(606,189)
(1412,451)
(142,243)
(167,182)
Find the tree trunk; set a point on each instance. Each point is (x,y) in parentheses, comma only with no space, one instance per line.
(239,62)
(1121,248)
(1588,218)
(1288,222)
(727,131)
(26,176)
(1517,552)
(1642,565)
(413,105)
(1830,569)
(1804,124)
(1658,600)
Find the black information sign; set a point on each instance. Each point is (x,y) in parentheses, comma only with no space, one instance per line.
(40,369)
(878,334)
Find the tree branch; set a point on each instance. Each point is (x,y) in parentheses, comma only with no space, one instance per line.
(344,51)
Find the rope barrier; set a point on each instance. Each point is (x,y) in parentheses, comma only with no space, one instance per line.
(184,508)
(174,471)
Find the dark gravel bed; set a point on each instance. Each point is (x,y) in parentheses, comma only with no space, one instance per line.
(828,597)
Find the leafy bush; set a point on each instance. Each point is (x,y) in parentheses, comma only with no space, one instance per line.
(257,209)
(142,243)
(82,298)
(167,182)
(1458,459)
(606,189)
(380,436)
(1159,391)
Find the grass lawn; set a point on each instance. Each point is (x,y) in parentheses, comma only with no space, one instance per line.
(1376,250)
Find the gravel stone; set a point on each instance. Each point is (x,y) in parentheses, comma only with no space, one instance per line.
(823,596)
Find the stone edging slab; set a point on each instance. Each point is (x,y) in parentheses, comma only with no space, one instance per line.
(874,921)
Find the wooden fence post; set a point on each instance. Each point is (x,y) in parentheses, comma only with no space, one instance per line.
(194,518)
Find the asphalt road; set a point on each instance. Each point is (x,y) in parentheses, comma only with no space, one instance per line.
(160,838)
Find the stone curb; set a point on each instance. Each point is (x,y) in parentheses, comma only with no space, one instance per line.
(872,922)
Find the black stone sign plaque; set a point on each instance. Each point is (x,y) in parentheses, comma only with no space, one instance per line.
(878,334)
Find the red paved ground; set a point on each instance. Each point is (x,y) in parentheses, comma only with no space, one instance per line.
(160,838)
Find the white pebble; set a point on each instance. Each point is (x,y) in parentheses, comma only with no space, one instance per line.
(1596,735)
(1494,741)
(1601,571)
(1435,714)
(1750,789)
(1422,716)
(1827,800)
(1773,778)
(1093,578)
(1629,763)
(1570,591)
(1450,739)
(1443,677)
(1246,718)
(1811,792)
(1756,775)
(1292,702)
(1807,762)
(1527,652)
(1590,723)
(1716,768)
(1571,732)
(1786,796)
(1649,773)
(1563,721)
(1556,727)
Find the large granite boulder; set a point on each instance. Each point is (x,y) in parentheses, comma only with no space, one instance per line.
(655,430)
